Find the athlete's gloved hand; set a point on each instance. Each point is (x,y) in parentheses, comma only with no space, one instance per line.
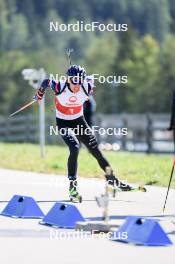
(39,95)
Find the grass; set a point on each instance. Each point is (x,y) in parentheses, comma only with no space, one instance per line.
(133,167)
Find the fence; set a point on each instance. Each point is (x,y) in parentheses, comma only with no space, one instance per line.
(146,132)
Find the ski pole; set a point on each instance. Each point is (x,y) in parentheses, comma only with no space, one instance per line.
(23,107)
(68,52)
(171,127)
(171,176)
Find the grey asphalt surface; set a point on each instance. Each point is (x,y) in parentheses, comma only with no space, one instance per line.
(26,241)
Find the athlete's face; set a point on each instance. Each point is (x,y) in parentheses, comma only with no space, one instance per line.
(75,87)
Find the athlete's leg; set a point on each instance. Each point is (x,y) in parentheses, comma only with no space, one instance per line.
(90,141)
(73,144)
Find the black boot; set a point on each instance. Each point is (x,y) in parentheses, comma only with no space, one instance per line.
(115,182)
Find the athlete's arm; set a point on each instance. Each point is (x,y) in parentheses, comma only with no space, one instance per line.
(45,84)
(89,87)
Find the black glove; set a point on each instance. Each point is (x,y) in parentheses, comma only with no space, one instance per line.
(39,95)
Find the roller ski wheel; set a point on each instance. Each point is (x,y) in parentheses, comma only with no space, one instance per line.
(117,185)
(114,189)
(76,199)
(142,188)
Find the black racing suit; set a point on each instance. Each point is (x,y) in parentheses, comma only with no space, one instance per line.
(73,141)
(84,136)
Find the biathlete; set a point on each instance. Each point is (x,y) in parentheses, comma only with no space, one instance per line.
(70,95)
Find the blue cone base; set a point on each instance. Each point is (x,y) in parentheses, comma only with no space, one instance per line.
(141,231)
(22,207)
(63,216)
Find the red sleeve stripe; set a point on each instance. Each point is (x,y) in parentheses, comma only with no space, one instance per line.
(40,92)
(40,95)
(56,87)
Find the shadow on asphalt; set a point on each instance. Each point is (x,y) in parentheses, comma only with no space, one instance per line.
(68,201)
(122,217)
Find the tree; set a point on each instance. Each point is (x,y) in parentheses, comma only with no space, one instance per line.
(142,69)
(166,77)
(100,57)
(156,18)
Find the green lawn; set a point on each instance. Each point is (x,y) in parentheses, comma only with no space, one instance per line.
(140,168)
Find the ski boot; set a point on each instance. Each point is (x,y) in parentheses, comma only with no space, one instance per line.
(114,184)
(74,196)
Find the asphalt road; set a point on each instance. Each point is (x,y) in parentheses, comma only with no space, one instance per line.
(26,241)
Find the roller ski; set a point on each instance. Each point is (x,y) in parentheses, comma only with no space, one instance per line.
(74,196)
(115,185)
(123,187)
